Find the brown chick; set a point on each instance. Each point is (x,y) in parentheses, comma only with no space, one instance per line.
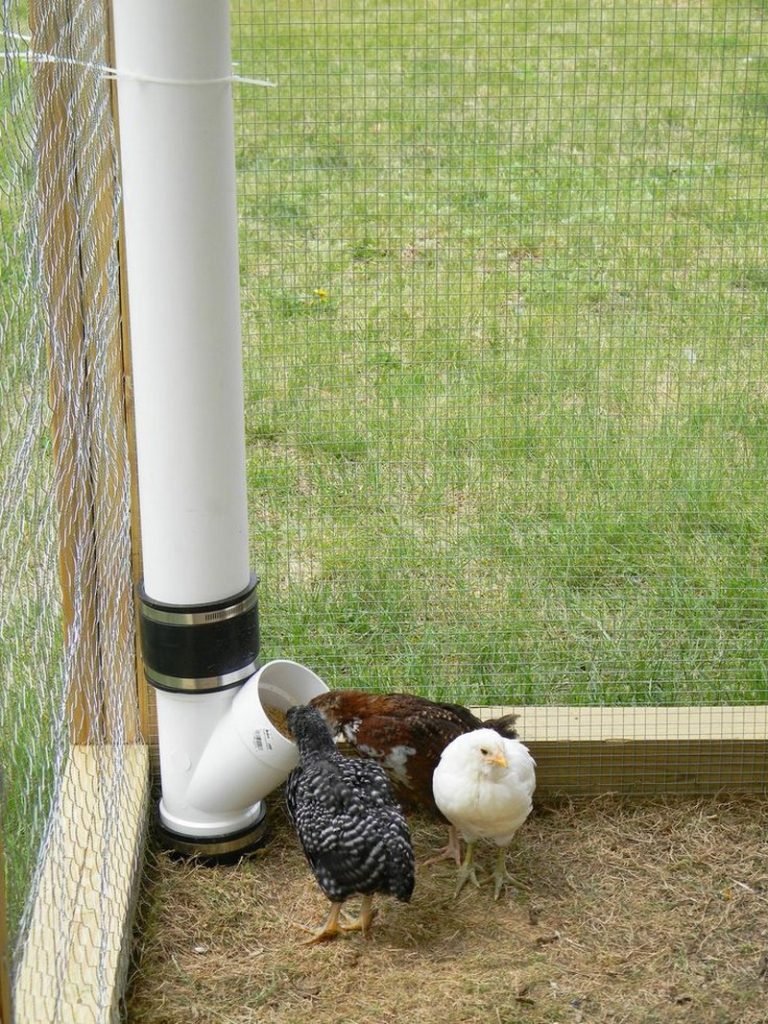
(406,735)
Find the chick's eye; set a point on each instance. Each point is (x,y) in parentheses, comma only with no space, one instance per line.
(483,750)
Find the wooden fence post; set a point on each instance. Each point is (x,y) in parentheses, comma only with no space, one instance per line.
(58,229)
(95,842)
(76,183)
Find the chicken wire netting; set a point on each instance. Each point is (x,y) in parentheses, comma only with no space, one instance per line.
(67,698)
(505,305)
(504,310)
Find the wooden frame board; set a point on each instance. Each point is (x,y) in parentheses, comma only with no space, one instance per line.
(694,751)
(634,750)
(75,959)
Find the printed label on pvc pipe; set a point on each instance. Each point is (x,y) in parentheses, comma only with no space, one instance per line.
(262,740)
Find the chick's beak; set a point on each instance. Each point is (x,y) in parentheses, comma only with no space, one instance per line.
(497,759)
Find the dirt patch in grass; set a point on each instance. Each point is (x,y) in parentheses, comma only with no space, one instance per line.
(627,912)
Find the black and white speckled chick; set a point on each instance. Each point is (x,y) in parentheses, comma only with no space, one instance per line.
(351,828)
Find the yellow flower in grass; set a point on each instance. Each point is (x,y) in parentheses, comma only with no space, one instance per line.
(321,294)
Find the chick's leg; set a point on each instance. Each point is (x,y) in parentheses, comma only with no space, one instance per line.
(467,870)
(500,873)
(362,923)
(329,929)
(450,852)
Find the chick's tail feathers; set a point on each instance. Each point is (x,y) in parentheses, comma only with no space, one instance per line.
(504,726)
(402,877)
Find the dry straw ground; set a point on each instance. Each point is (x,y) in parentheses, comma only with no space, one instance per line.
(627,913)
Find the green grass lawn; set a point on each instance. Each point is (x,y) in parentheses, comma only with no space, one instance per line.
(505,305)
(32,729)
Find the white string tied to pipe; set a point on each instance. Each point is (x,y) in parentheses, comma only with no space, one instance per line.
(113,74)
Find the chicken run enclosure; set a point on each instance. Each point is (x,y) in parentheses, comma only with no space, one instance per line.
(503,306)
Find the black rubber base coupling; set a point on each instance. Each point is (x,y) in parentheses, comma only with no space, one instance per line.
(213,850)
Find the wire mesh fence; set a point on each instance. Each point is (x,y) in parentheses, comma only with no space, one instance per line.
(504,309)
(505,304)
(68,695)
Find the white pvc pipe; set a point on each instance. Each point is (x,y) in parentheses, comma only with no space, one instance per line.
(184,724)
(220,755)
(178,172)
(179,204)
(247,756)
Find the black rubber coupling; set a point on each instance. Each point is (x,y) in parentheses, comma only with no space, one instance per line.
(200,648)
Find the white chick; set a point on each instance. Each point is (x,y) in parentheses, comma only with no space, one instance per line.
(484,785)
